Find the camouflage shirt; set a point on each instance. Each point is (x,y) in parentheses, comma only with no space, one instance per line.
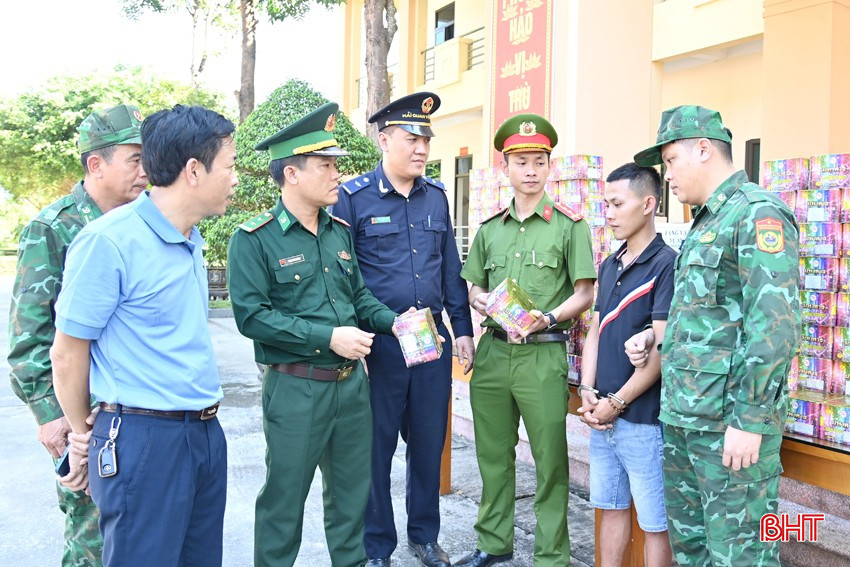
(734,322)
(41,259)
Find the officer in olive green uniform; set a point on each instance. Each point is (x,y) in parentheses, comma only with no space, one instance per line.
(546,249)
(733,329)
(297,292)
(110,141)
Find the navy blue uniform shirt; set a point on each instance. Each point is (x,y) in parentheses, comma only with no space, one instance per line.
(629,298)
(406,246)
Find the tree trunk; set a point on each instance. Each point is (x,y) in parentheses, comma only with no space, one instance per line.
(245,94)
(379,16)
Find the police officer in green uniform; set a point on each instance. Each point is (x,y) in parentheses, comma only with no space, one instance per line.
(297,292)
(546,249)
(733,328)
(110,153)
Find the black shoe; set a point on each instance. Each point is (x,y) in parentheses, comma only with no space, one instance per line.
(480,558)
(378,562)
(430,554)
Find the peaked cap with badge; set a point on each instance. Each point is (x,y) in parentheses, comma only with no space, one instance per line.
(525,132)
(681,123)
(412,113)
(120,124)
(311,135)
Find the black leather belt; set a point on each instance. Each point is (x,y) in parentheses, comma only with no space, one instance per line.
(204,414)
(561,336)
(314,372)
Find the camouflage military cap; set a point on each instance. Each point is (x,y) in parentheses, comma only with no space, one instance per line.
(684,122)
(525,133)
(311,135)
(120,124)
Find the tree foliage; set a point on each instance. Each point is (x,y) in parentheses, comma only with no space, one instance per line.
(257,191)
(39,160)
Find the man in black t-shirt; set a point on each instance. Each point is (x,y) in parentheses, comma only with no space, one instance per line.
(620,402)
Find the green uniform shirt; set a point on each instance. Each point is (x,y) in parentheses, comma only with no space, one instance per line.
(545,254)
(290,288)
(41,259)
(734,321)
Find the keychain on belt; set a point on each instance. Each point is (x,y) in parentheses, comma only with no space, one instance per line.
(107,461)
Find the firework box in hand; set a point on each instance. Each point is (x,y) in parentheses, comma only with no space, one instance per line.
(831,171)
(509,306)
(785,174)
(417,335)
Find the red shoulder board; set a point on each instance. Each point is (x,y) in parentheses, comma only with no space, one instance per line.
(569,212)
(500,213)
(340,221)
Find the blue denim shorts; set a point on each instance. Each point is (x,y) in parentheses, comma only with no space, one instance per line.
(625,463)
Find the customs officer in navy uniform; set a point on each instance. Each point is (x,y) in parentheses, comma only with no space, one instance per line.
(406,248)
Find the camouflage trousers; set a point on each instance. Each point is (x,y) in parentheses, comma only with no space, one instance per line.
(83,543)
(713,511)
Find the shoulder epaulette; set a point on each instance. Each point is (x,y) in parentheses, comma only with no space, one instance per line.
(755,193)
(434,183)
(574,215)
(51,211)
(256,222)
(340,221)
(352,186)
(500,213)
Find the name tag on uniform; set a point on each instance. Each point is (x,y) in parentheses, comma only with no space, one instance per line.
(381,220)
(292,260)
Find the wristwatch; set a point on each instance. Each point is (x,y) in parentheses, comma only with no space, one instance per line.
(552,320)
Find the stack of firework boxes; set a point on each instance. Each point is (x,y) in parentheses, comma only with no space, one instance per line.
(575,181)
(818,190)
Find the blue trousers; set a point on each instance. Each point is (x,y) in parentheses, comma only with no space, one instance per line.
(413,401)
(166,504)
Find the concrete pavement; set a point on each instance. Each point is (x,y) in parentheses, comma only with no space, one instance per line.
(31,524)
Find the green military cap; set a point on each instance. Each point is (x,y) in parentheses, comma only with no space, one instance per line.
(120,124)
(683,122)
(309,136)
(525,132)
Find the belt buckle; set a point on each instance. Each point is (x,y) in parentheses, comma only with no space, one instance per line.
(344,373)
(209,412)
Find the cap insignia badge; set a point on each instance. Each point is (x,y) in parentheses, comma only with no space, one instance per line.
(427,105)
(527,129)
(138,115)
(331,123)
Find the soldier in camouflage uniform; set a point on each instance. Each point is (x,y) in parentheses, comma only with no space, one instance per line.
(110,148)
(733,329)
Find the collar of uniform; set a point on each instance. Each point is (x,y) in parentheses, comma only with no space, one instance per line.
(544,209)
(385,187)
(725,191)
(154,218)
(287,220)
(654,247)
(86,206)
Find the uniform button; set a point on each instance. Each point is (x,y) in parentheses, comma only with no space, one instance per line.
(297,277)
(349,270)
(411,226)
(417,276)
(492,266)
(333,300)
(539,264)
(721,198)
(326,268)
(414,250)
(418,302)
(522,229)
(516,255)
(767,419)
(318,351)
(618,283)
(513,280)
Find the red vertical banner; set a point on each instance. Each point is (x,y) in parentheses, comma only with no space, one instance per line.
(522,44)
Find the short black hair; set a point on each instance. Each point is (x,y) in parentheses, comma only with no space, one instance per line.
(277,166)
(171,137)
(642,180)
(104,153)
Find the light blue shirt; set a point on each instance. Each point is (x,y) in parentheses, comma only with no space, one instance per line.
(137,288)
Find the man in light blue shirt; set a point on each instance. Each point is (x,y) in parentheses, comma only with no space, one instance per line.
(131,331)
